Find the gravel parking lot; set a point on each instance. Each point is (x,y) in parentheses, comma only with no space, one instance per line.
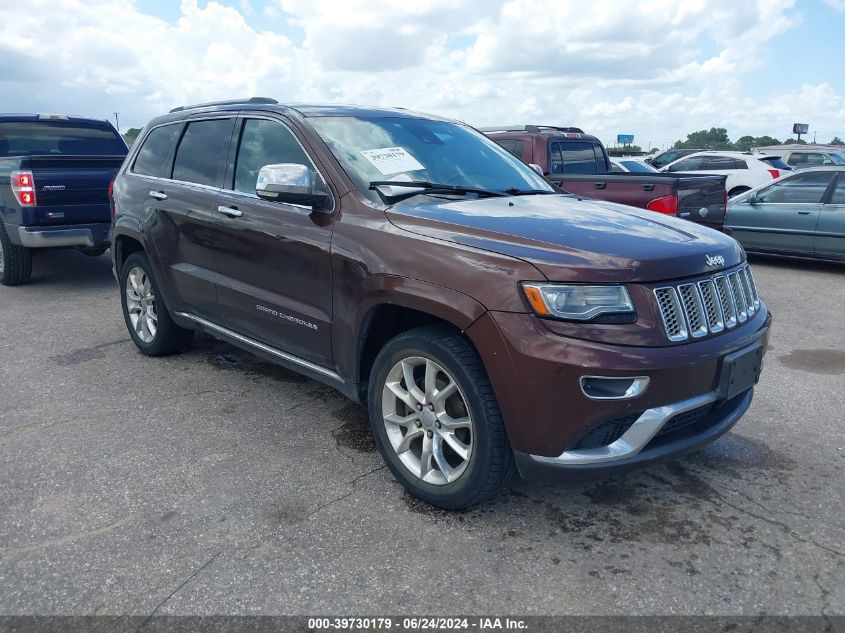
(214,482)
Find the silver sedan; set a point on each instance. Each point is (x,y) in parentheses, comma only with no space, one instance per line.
(801,214)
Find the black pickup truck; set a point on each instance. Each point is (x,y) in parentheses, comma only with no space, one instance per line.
(55,173)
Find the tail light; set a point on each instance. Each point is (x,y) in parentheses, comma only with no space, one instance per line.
(111,199)
(665,204)
(775,173)
(23,186)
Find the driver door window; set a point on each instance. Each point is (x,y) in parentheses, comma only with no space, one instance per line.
(264,142)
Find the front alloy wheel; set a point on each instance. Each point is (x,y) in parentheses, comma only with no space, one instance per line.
(435,418)
(141,305)
(427,420)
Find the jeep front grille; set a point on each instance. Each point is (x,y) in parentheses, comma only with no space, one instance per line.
(709,306)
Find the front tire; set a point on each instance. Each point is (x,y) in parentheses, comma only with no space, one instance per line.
(435,418)
(147,317)
(15,261)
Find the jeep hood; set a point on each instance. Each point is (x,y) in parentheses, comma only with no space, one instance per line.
(570,239)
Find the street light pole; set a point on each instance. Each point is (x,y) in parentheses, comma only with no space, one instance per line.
(117,120)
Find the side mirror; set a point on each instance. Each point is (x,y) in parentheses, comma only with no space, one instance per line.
(751,198)
(536,168)
(290,183)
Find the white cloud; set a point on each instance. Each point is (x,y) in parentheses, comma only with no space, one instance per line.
(656,68)
(836,5)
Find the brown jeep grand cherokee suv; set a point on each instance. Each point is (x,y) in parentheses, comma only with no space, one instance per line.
(486,321)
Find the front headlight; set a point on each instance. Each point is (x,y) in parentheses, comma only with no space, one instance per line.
(576,302)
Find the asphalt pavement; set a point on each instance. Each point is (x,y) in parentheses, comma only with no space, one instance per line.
(216,483)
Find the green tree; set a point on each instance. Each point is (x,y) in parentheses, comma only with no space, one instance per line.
(745,142)
(837,141)
(130,135)
(763,141)
(714,138)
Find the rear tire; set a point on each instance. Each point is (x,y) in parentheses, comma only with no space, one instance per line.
(15,261)
(737,190)
(452,450)
(147,317)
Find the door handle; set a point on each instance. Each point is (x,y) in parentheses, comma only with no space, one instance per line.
(803,213)
(158,195)
(600,185)
(232,212)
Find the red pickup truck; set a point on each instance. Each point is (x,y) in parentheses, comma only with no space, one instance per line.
(578,163)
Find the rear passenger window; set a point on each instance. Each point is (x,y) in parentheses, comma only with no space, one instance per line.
(154,156)
(805,188)
(201,150)
(718,163)
(265,142)
(694,163)
(577,157)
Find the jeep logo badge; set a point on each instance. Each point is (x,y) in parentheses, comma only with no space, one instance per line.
(714,260)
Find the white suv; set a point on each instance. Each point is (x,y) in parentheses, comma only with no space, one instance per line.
(744,170)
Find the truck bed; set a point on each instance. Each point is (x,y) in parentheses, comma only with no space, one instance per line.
(701,199)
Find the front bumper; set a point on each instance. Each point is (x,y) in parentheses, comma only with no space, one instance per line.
(642,444)
(82,235)
(537,376)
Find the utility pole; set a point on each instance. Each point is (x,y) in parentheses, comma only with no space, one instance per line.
(117,120)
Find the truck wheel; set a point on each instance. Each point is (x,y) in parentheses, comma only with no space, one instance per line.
(15,261)
(435,418)
(147,318)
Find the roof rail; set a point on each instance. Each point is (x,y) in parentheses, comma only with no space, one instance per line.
(530,128)
(265,100)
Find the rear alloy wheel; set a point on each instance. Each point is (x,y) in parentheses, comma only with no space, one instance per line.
(15,261)
(141,305)
(147,318)
(435,418)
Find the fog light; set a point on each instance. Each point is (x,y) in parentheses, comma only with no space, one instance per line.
(613,387)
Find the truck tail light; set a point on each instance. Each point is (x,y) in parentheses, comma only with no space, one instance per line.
(774,172)
(23,186)
(112,203)
(664,204)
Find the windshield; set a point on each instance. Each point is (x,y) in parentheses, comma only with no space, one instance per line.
(59,137)
(410,149)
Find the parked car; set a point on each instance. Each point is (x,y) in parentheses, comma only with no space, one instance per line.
(630,165)
(578,163)
(486,320)
(744,170)
(801,214)
(803,156)
(55,172)
(670,156)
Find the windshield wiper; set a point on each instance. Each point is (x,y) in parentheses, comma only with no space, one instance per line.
(423,186)
(513,191)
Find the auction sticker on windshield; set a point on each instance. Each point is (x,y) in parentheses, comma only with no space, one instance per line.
(392,160)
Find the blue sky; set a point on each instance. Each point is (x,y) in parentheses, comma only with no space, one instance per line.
(654,68)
